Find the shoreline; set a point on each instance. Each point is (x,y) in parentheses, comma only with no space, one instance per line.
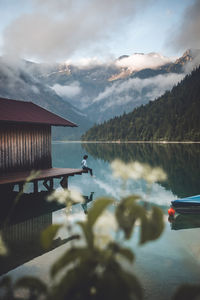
(129,142)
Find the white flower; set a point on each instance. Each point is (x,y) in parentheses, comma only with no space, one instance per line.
(103,229)
(65,196)
(120,169)
(3,250)
(155,174)
(76,197)
(137,170)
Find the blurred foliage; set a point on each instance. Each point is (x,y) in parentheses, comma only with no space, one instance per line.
(94,268)
(97,264)
(187,291)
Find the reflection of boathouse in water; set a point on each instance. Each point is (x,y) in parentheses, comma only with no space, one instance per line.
(23,242)
(22,233)
(25,145)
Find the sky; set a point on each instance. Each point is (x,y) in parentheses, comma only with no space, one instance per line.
(60,30)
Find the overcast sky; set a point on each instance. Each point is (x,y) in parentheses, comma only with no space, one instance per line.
(58,30)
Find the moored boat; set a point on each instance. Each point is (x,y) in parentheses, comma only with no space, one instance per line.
(187,205)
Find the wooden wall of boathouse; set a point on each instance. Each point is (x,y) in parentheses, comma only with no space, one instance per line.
(24,147)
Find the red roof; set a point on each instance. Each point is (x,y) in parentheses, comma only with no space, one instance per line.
(28,112)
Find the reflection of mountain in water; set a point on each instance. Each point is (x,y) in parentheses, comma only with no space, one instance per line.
(180,161)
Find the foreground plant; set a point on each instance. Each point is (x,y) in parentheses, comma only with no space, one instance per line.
(93,267)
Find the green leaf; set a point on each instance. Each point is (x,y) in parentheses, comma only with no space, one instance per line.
(157,223)
(71,256)
(130,199)
(49,234)
(31,283)
(187,291)
(116,283)
(152,227)
(127,253)
(6,284)
(144,230)
(97,209)
(127,212)
(88,233)
(76,282)
(133,285)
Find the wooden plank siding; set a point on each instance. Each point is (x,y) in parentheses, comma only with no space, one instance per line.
(24,147)
(27,230)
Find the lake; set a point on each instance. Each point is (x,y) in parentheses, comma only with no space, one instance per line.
(161,265)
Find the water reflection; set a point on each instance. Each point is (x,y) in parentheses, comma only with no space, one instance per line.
(88,199)
(185,221)
(23,242)
(180,161)
(28,206)
(21,232)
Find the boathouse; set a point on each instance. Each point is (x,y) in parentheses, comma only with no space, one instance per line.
(25,144)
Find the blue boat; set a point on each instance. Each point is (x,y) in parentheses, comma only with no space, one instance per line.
(187,205)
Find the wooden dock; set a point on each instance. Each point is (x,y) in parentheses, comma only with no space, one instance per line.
(11,179)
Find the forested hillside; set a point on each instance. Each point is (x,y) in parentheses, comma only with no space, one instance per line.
(173,117)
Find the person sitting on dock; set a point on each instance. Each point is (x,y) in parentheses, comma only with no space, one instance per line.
(84,165)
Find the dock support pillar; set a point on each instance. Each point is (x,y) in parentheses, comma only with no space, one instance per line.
(64,182)
(35,186)
(49,186)
(21,187)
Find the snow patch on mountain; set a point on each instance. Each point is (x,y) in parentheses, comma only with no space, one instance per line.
(140,61)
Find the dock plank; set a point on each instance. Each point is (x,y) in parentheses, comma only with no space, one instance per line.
(21,177)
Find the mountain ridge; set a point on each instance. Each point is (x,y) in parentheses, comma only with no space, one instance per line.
(84,94)
(172,117)
(17,83)
(102,90)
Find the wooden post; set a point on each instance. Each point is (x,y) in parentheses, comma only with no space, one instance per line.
(49,186)
(35,186)
(64,182)
(21,185)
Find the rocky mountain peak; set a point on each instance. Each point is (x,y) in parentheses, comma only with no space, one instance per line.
(188,56)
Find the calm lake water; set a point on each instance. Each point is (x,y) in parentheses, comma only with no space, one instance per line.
(162,265)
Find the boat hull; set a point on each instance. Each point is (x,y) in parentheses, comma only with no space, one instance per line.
(189,205)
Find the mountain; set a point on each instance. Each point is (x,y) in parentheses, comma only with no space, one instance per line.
(102,91)
(93,92)
(17,82)
(172,117)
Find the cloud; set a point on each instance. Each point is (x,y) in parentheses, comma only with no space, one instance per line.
(59,28)
(136,90)
(68,91)
(139,61)
(188,33)
(194,62)
(87,62)
(12,71)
